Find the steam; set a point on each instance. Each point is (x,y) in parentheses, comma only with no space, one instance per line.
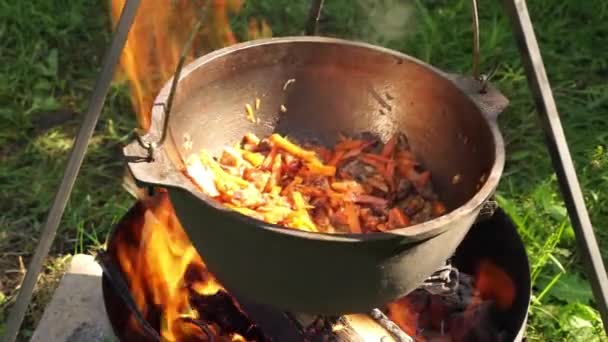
(388,20)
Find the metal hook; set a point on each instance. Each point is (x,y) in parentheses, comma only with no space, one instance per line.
(475,17)
(485,78)
(312,24)
(167,107)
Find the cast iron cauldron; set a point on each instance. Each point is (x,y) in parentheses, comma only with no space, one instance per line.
(340,86)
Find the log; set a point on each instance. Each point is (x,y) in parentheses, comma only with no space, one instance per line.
(283,326)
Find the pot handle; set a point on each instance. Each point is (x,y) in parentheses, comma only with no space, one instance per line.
(312,29)
(490,102)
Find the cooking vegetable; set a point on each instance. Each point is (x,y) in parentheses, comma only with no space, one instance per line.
(359,186)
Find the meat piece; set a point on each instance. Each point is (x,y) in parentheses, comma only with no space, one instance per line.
(358,170)
(424,214)
(263,146)
(426,191)
(404,188)
(411,205)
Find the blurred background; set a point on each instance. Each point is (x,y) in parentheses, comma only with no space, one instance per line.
(51,50)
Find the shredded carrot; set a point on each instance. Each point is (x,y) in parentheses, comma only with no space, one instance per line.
(404,167)
(324,170)
(397,218)
(291,186)
(269,160)
(352,153)
(438,208)
(352,217)
(369,199)
(323,152)
(290,147)
(389,147)
(256,159)
(298,200)
(349,144)
(371,161)
(306,187)
(275,174)
(420,179)
(378,158)
(335,158)
(389,173)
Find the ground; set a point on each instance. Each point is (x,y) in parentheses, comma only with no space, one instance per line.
(50,52)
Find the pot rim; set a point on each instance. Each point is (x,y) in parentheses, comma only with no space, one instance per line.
(416,232)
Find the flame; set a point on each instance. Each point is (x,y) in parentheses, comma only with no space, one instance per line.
(158,35)
(163,268)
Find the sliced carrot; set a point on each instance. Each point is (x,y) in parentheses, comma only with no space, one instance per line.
(438,208)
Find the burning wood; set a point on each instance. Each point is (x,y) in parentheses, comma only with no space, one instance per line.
(180,299)
(359,186)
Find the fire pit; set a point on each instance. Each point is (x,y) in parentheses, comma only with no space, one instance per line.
(483,296)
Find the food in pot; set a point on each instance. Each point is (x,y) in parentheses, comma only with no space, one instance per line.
(361,185)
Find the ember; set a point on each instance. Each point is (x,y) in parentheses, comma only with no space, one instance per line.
(360,186)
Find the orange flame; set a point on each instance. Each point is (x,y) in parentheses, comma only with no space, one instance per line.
(158,35)
(160,269)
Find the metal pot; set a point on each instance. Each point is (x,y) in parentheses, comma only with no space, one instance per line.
(340,86)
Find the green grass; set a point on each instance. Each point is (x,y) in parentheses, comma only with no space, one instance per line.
(50,52)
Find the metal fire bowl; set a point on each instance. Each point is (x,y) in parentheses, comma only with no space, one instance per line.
(340,87)
(495,239)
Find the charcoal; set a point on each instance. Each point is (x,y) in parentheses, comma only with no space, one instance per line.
(221,309)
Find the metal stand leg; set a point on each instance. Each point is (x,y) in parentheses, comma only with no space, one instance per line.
(560,155)
(75,161)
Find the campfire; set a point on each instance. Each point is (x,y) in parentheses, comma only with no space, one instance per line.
(157,286)
(182,301)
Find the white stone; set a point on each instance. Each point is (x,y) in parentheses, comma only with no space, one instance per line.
(76,312)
